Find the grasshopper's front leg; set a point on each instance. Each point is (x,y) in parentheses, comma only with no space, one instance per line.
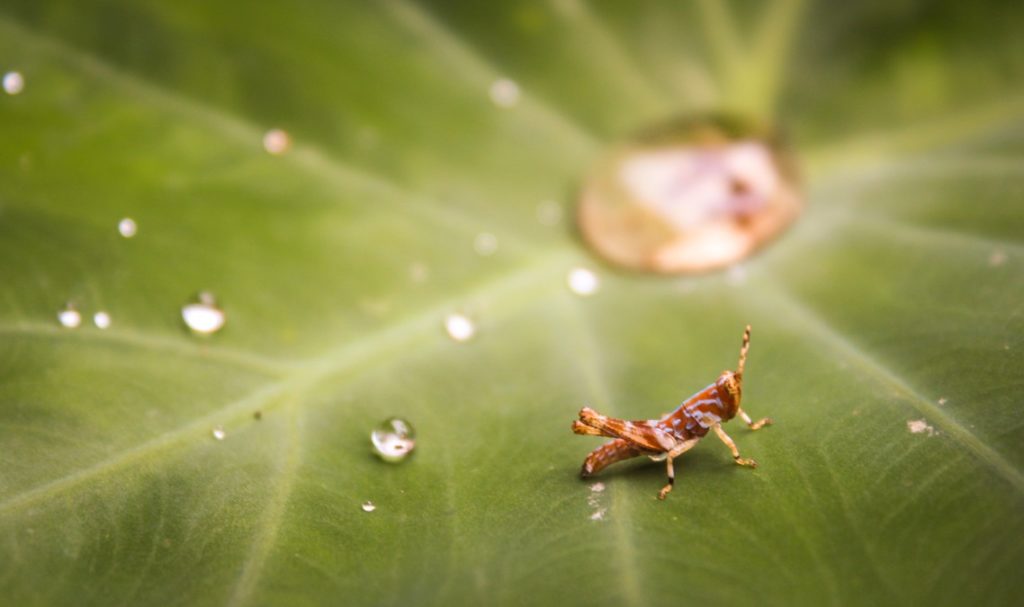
(674,453)
(743,461)
(767,421)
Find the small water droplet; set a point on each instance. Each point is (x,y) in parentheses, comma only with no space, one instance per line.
(997,258)
(943,400)
(101,319)
(583,282)
(549,213)
(369,506)
(218,432)
(419,272)
(737,275)
(14,83)
(504,93)
(127,227)
(276,142)
(69,317)
(393,440)
(485,244)
(691,196)
(203,316)
(459,327)
(597,487)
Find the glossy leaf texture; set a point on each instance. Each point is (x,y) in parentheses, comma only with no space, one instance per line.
(896,298)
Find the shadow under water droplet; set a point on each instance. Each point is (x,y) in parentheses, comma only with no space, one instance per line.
(692,195)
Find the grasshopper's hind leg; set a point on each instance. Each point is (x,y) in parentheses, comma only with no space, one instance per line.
(606,455)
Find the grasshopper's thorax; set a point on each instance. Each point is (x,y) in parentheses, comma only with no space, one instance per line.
(730,391)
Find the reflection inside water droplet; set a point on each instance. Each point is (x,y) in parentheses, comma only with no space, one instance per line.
(583,282)
(14,83)
(69,317)
(127,227)
(369,506)
(459,327)
(218,432)
(694,195)
(393,440)
(203,316)
(101,319)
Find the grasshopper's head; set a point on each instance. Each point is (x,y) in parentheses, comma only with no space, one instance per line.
(730,390)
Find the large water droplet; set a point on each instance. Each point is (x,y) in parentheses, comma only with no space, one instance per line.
(69,317)
(692,196)
(369,506)
(203,316)
(504,93)
(127,227)
(276,142)
(583,282)
(14,83)
(393,440)
(101,319)
(459,327)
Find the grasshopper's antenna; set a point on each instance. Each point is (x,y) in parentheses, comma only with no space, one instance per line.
(743,351)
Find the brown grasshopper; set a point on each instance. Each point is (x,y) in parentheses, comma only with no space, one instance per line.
(675,433)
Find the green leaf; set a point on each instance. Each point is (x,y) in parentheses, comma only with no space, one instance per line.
(896,298)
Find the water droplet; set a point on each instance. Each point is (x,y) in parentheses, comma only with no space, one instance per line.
(485,244)
(597,487)
(583,282)
(504,93)
(459,327)
(127,227)
(369,506)
(997,258)
(101,319)
(695,195)
(14,83)
(203,316)
(419,272)
(218,432)
(276,142)
(393,440)
(69,317)
(549,213)
(943,400)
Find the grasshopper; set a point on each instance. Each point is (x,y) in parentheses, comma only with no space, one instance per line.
(675,433)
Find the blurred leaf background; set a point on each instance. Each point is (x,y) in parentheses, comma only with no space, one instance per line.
(897,297)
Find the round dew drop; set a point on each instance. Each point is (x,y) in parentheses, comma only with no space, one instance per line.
(393,440)
(369,506)
(583,282)
(276,142)
(459,327)
(14,83)
(219,433)
(203,316)
(101,319)
(504,93)
(127,227)
(69,317)
(485,244)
